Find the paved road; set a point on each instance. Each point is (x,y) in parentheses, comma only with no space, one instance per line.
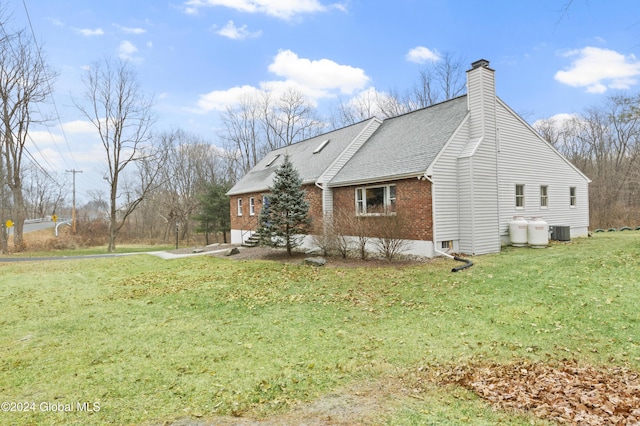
(30,227)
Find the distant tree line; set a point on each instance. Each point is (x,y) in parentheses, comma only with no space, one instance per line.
(604,143)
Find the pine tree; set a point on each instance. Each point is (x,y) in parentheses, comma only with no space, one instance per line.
(284,218)
(214,212)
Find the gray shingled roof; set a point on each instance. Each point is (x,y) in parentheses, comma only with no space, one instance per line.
(309,165)
(404,145)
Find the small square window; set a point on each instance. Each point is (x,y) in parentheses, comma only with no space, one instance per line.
(447,244)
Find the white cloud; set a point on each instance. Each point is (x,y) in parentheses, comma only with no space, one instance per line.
(78,127)
(237,33)
(314,79)
(43,137)
(88,32)
(599,70)
(558,121)
(127,50)
(283,9)
(130,30)
(323,74)
(219,100)
(421,54)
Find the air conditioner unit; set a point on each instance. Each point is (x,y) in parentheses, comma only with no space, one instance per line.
(560,233)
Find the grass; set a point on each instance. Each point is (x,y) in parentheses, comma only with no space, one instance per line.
(152,340)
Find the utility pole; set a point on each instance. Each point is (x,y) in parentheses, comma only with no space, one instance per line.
(73,211)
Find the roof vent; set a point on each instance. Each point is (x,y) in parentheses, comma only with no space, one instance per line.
(321,146)
(480,63)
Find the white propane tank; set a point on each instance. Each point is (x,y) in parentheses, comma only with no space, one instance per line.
(518,231)
(538,232)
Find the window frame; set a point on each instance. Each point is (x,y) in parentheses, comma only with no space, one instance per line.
(544,196)
(252,206)
(573,197)
(239,206)
(519,198)
(389,198)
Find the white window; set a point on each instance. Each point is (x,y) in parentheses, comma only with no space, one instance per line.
(544,196)
(239,206)
(519,196)
(572,197)
(252,206)
(376,200)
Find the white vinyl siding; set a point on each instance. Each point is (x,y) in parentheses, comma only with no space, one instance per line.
(446,198)
(521,154)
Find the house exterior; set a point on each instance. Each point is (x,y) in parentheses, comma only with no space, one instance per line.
(457,172)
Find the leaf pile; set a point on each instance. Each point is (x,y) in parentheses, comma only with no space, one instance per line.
(565,392)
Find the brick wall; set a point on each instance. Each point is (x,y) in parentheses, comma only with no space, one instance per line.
(247,221)
(413,208)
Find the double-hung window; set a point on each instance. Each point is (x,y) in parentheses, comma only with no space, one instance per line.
(252,206)
(519,196)
(374,200)
(239,206)
(544,197)
(572,197)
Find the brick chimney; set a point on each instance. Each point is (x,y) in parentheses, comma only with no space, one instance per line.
(481,100)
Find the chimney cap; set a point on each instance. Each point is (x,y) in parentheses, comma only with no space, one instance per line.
(480,63)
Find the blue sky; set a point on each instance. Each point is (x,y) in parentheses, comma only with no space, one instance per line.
(196,56)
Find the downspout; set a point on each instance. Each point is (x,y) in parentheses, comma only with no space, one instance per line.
(467,262)
(321,186)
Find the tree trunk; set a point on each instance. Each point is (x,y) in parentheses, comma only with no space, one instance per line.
(18,220)
(113,218)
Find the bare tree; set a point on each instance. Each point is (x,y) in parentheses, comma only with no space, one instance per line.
(290,119)
(43,195)
(192,165)
(25,81)
(122,115)
(261,123)
(367,104)
(441,80)
(242,134)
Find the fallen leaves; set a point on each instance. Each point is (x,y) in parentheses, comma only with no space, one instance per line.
(565,392)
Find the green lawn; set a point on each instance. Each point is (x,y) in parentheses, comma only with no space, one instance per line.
(150,340)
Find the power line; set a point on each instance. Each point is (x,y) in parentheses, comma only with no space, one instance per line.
(55,107)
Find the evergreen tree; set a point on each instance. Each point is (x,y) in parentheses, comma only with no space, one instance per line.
(285,213)
(214,212)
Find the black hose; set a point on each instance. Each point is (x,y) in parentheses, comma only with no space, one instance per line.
(467,263)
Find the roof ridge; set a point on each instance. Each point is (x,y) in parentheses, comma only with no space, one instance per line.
(427,107)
